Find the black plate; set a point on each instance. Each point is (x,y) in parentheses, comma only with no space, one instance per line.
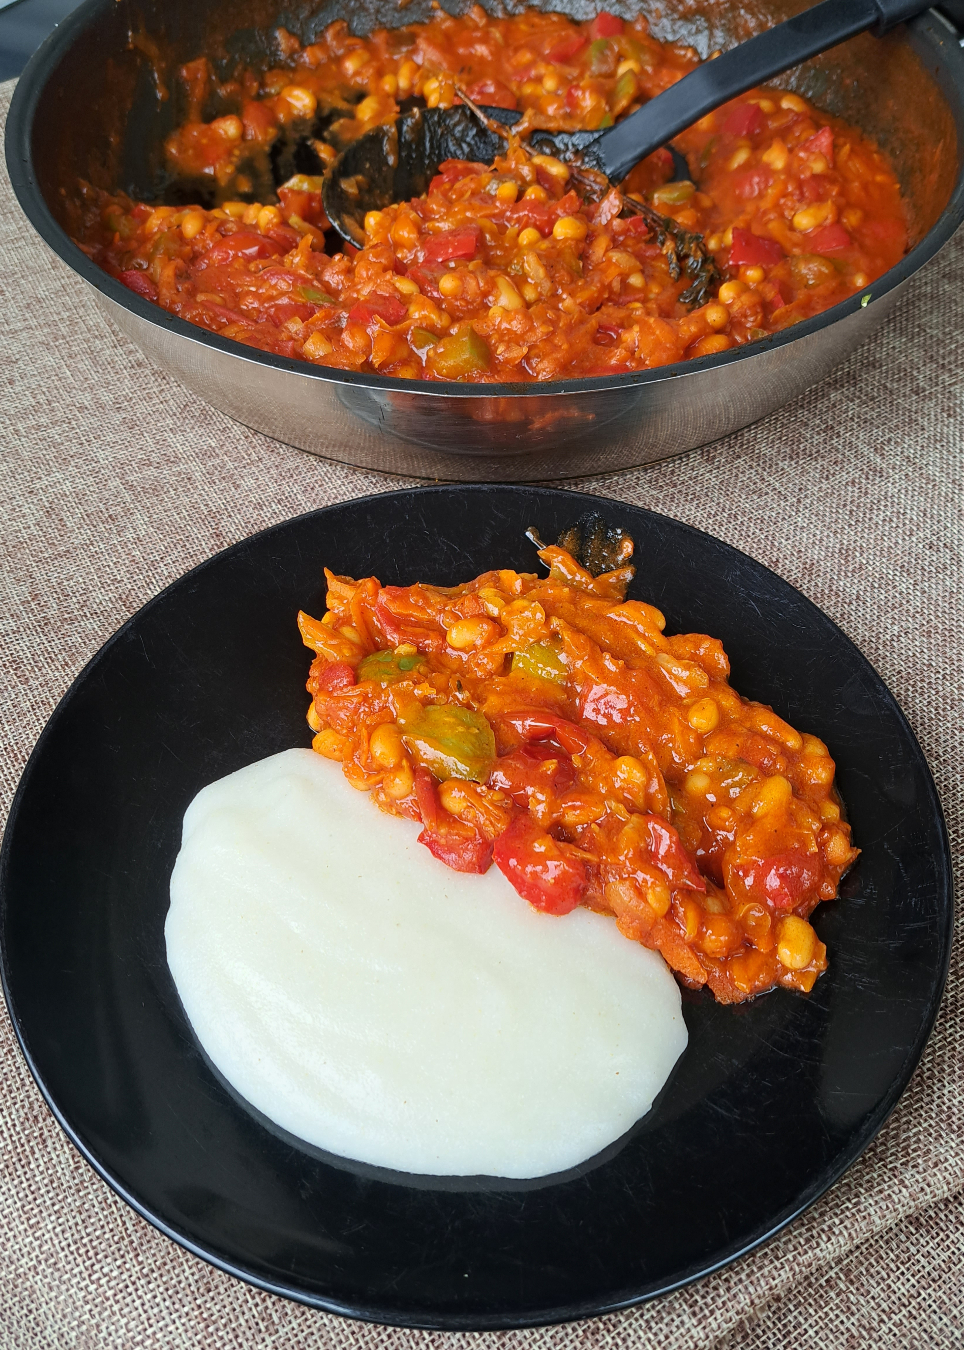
(770,1103)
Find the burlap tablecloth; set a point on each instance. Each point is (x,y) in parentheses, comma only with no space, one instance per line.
(114,481)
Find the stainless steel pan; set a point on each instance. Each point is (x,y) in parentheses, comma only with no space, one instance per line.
(87,106)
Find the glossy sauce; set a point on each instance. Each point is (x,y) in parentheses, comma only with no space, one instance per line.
(552,728)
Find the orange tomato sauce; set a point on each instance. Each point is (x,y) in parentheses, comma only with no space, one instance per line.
(551,727)
(502,272)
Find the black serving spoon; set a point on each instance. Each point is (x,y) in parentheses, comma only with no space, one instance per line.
(396,162)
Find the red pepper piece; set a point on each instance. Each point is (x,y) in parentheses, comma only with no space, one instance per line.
(630,225)
(533,724)
(259,121)
(542,215)
(387,307)
(455,843)
(784,879)
(751,250)
(539,869)
(401,621)
(451,170)
(426,278)
(492,93)
(460,243)
(829,239)
(305,205)
(138,282)
(532,769)
(605,25)
(667,852)
(568,47)
(753,182)
(820,144)
(337,676)
(243,244)
(743,119)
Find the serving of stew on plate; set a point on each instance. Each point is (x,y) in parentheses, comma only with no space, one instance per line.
(501,272)
(551,728)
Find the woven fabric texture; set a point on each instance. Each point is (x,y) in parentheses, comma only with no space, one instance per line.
(114,481)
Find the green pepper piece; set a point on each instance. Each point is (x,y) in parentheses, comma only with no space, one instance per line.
(708,149)
(452,742)
(420,339)
(672,194)
(316,296)
(810,269)
(542,659)
(386,667)
(624,93)
(602,57)
(460,354)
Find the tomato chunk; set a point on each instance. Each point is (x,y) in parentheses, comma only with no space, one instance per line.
(820,144)
(339,675)
(243,244)
(743,119)
(402,620)
(783,879)
(531,770)
(829,239)
(138,282)
(459,845)
(450,244)
(492,94)
(387,307)
(605,25)
(752,250)
(667,852)
(533,724)
(568,47)
(549,878)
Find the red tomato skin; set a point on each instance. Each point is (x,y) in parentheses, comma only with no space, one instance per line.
(753,182)
(523,771)
(460,243)
(820,144)
(259,121)
(492,94)
(783,880)
(667,852)
(387,307)
(829,239)
(551,881)
(743,119)
(459,852)
(533,724)
(605,25)
(454,843)
(339,675)
(242,244)
(751,250)
(401,627)
(138,282)
(568,47)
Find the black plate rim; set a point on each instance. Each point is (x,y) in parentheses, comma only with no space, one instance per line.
(587,1308)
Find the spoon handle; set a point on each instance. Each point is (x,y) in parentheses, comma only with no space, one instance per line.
(741,68)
